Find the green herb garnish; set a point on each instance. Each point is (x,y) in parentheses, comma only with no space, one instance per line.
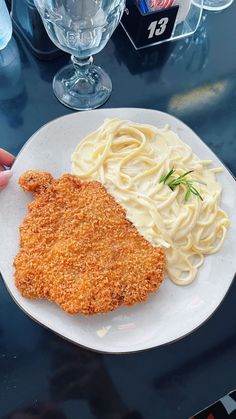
(173,181)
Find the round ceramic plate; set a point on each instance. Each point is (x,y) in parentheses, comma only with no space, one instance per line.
(169,314)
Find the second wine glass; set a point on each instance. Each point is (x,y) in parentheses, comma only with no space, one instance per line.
(81,28)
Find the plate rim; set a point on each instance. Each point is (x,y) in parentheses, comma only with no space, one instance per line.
(118,109)
(161,345)
(120,352)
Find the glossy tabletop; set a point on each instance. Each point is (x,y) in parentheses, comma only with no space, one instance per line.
(43,376)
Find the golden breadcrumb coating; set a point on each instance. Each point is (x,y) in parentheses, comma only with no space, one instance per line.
(78,249)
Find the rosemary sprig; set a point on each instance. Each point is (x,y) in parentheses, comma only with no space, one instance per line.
(165,178)
(172,182)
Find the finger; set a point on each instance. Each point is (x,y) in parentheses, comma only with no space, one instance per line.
(6,159)
(4,178)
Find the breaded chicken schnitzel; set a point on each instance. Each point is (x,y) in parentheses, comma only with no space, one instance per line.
(78,249)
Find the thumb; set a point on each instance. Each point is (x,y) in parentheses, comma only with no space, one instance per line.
(5,177)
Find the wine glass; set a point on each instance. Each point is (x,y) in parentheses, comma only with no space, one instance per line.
(81,28)
(216,5)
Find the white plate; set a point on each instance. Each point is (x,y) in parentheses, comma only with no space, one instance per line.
(169,314)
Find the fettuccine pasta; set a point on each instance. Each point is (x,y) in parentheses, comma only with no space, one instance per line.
(130,159)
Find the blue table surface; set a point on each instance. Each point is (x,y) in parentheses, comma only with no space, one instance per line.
(44,376)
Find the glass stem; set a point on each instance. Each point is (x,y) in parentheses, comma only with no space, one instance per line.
(81,64)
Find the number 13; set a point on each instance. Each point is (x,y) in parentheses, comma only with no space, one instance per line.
(161,27)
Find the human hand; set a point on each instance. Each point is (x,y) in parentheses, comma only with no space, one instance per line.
(6,160)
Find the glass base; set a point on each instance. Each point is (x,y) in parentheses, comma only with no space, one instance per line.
(216,5)
(82,90)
